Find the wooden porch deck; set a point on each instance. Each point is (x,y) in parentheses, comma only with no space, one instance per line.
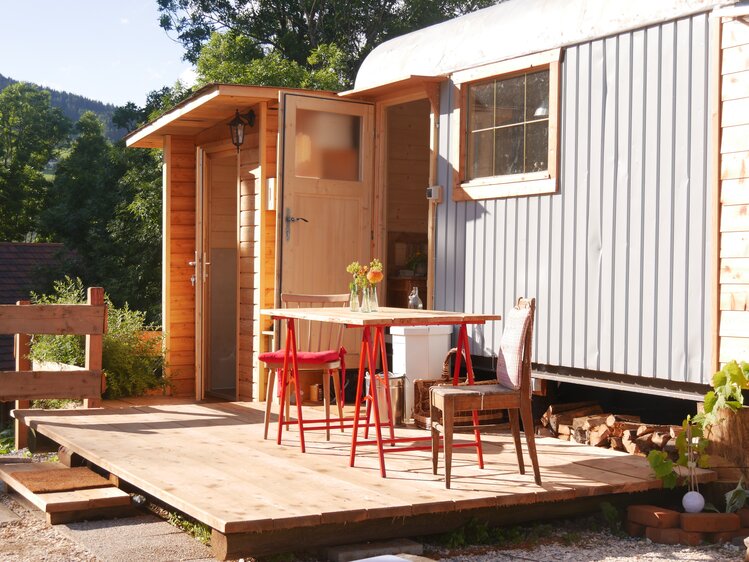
(210,461)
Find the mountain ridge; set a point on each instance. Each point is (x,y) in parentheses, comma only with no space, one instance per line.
(74,105)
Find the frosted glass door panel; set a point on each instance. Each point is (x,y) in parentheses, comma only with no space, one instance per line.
(328,145)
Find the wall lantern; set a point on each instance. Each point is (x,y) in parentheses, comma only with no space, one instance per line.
(237,125)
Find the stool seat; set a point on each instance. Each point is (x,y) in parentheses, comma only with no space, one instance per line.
(302,357)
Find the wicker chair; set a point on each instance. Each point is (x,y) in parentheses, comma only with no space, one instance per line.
(512,392)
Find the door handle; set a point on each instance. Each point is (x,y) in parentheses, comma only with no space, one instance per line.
(290,219)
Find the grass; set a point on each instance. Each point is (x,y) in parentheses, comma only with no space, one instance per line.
(479,533)
(195,529)
(569,532)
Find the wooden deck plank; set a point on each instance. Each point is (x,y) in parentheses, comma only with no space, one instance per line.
(211,462)
(55,502)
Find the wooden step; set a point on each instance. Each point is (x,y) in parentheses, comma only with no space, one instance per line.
(66,494)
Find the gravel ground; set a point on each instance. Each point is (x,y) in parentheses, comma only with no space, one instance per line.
(603,547)
(30,538)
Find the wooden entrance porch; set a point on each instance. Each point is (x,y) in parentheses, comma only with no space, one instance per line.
(209,460)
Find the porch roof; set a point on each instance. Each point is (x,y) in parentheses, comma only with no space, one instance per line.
(205,108)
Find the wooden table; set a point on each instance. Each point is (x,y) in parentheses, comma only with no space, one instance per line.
(373,343)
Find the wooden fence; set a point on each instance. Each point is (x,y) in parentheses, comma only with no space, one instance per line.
(25,384)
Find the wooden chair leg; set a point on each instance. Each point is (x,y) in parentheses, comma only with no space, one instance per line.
(527,414)
(435,437)
(268,400)
(326,400)
(515,428)
(448,417)
(337,392)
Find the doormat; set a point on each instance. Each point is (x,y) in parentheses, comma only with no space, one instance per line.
(45,481)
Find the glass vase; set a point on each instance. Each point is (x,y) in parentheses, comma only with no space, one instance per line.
(373,304)
(366,300)
(353,302)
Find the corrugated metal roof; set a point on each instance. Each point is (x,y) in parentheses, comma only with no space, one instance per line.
(514,28)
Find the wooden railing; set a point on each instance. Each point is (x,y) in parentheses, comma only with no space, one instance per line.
(25,384)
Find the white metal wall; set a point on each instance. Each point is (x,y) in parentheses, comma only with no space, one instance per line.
(617,259)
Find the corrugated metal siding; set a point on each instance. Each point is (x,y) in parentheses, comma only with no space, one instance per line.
(618,258)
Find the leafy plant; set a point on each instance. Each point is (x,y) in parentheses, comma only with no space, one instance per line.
(736,498)
(7,441)
(612,516)
(131,362)
(663,467)
(691,445)
(728,386)
(198,531)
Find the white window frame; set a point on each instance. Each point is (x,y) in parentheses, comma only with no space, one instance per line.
(511,185)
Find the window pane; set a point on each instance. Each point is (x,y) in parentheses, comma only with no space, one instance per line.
(537,147)
(507,128)
(481,152)
(509,102)
(537,95)
(508,151)
(481,107)
(327,145)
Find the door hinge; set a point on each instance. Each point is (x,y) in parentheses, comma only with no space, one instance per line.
(371,235)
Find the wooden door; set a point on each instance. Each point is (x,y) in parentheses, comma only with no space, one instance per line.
(216,275)
(326,177)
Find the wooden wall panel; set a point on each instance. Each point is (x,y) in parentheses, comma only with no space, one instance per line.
(249,181)
(407,167)
(734,197)
(263,251)
(179,249)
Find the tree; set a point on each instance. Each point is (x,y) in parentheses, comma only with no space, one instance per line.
(293,29)
(30,133)
(232,58)
(105,206)
(135,231)
(82,201)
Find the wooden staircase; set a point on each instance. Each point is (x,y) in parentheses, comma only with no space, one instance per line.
(66,494)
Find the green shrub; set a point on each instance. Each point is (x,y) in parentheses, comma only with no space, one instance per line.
(132,364)
(7,440)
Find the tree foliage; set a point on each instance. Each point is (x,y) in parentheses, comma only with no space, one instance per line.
(232,58)
(105,206)
(31,131)
(293,29)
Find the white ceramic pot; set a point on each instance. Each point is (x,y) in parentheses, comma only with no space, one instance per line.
(693,502)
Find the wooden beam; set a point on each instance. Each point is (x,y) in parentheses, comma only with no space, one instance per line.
(32,385)
(716,27)
(235,545)
(52,319)
(22,349)
(94,348)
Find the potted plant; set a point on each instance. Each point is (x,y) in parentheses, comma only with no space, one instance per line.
(727,395)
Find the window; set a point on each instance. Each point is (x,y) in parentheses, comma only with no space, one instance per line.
(508,126)
(509,123)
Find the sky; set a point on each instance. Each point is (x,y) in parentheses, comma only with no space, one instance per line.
(108,50)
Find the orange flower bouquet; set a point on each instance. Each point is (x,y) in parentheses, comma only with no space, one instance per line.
(365,277)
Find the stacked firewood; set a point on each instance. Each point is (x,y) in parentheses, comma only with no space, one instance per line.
(587,423)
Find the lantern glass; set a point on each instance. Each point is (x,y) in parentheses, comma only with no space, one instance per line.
(236,126)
